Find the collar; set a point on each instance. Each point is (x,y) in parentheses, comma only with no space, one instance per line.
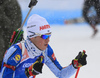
(33,51)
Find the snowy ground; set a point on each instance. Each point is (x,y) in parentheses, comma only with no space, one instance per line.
(67,41)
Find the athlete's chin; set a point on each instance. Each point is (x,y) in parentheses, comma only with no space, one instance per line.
(44,47)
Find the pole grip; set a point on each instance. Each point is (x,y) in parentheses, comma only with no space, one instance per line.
(79,67)
(32,3)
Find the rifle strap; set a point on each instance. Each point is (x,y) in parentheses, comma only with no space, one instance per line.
(23,46)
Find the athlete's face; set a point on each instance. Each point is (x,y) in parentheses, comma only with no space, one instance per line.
(40,43)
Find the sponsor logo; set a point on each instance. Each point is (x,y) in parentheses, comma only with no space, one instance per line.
(44,27)
(31,26)
(27,65)
(53,56)
(17,57)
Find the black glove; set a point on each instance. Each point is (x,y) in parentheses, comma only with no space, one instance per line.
(80,60)
(35,68)
(32,3)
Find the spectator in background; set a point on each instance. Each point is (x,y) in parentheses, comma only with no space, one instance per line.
(93,19)
(10,20)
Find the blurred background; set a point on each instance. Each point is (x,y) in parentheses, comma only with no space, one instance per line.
(70,32)
(55,11)
(68,38)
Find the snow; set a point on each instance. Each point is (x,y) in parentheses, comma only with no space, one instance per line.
(67,41)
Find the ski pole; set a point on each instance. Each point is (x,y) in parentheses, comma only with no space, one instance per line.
(31,4)
(77,72)
(79,67)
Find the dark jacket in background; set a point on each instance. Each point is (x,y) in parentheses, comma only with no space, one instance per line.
(10,20)
(87,5)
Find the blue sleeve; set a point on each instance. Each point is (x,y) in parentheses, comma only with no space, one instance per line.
(12,57)
(55,67)
(51,55)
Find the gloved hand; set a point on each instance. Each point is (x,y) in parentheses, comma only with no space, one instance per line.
(35,68)
(80,60)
